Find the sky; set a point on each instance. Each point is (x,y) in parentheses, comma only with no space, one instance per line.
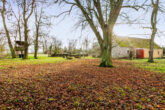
(64,29)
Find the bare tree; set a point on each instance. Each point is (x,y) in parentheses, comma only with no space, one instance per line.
(28,7)
(38,21)
(154,15)
(41,20)
(72,45)
(101,15)
(45,42)
(3,12)
(86,43)
(56,46)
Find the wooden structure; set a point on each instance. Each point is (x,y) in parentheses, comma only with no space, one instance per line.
(19,48)
(69,56)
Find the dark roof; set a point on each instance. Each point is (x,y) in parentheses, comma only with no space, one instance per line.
(134,42)
(20,42)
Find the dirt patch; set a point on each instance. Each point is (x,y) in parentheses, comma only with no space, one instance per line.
(83,85)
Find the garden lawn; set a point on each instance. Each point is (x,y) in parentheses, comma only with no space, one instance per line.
(42,59)
(158,65)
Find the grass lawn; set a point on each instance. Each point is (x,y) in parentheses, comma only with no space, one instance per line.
(8,62)
(158,65)
(42,59)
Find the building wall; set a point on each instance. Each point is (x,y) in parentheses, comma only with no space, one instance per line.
(120,52)
(123,52)
(158,53)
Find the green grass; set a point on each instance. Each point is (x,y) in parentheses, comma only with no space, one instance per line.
(42,59)
(158,65)
(8,62)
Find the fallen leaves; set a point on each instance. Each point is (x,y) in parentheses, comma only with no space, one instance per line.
(81,85)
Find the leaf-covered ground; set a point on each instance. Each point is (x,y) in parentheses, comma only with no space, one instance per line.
(81,85)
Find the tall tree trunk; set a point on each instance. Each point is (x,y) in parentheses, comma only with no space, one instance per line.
(19,31)
(36,43)
(12,50)
(154,29)
(151,51)
(26,46)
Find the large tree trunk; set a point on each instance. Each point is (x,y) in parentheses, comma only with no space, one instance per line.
(12,50)
(106,60)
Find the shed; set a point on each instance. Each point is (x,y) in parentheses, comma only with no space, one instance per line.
(19,48)
(140,45)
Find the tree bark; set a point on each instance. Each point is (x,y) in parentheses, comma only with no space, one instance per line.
(26,46)
(151,51)
(12,50)
(106,60)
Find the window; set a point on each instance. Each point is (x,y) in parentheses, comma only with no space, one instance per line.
(158,52)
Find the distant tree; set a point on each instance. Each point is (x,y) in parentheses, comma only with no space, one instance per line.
(56,46)
(95,50)
(50,50)
(44,43)
(72,46)
(41,20)
(86,43)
